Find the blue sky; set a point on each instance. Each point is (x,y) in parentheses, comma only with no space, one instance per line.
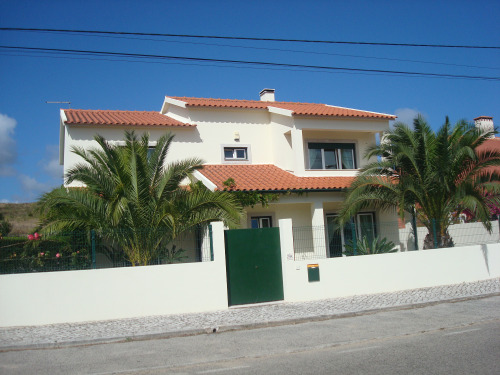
(29,128)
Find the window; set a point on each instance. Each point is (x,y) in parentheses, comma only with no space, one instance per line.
(261,222)
(151,149)
(363,224)
(331,156)
(235,153)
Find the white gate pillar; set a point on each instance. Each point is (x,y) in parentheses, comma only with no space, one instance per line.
(318,229)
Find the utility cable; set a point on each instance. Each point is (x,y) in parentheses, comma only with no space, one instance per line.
(251,38)
(284,50)
(243,62)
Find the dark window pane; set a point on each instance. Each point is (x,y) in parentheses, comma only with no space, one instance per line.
(315,161)
(265,222)
(228,153)
(330,159)
(241,153)
(254,223)
(334,237)
(150,151)
(347,159)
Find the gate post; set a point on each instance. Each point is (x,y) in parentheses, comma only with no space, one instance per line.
(219,260)
(287,251)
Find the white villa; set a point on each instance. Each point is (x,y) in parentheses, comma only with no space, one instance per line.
(312,151)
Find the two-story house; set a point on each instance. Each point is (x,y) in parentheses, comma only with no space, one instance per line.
(310,151)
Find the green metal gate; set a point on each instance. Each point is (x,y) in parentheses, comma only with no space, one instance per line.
(253,265)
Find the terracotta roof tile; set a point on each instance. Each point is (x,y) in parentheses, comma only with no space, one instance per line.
(492,144)
(101,117)
(299,109)
(267,177)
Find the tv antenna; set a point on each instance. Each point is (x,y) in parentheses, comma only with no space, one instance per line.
(68,103)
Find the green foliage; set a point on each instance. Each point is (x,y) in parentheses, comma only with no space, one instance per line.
(5,228)
(250,198)
(60,252)
(432,175)
(366,247)
(171,254)
(133,200)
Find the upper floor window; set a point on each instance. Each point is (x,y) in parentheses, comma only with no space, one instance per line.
(331,156)
(235,153)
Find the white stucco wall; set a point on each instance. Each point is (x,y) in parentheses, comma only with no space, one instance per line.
(268,135)
(76,296)
(348,276)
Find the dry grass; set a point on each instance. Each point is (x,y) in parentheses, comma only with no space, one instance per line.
(22,216)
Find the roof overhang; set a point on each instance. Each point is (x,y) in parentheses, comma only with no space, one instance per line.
(168,101)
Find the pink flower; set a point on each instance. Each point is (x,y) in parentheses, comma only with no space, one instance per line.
(37,236)
(58,255)
(30,237)
(42,254)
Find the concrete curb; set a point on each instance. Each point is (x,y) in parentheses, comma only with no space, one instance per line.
(236,327)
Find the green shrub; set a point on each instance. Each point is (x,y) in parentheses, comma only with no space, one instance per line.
(366,247)
(62,252)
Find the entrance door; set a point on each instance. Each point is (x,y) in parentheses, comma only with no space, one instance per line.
(253,265)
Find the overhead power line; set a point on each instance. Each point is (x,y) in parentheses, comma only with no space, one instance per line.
(241,62)
(249,38)
(385,58)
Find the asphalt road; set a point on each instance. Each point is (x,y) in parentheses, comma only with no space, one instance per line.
(449,338)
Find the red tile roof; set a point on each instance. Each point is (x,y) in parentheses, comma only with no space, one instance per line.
(267,177)
(100,117)
(299,109)
(492,144)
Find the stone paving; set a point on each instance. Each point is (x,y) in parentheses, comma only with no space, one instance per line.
(234,318)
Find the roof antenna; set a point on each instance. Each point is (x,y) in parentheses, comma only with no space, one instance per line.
(68,103)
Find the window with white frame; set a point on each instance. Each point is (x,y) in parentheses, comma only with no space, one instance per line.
(235,153)
(331,155)
(362,225)
(261,222)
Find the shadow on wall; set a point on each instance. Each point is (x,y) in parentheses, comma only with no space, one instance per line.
(484,249)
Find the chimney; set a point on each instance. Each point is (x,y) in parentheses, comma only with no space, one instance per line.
(485,124)
(267,95)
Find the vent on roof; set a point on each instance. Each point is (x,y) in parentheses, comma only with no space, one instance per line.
(267,95)
(485,124)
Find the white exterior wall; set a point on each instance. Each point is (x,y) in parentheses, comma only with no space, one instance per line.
(83,136)
(272,138)
(281,141)
(77,296)
(348,276)
(217,127)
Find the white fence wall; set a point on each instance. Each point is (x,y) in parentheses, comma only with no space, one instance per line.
(347,276)
(76,296)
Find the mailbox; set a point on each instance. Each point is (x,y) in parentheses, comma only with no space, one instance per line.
(313,272)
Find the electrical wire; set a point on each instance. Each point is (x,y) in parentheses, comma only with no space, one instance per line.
(281,50)
(244,62)
(251,38)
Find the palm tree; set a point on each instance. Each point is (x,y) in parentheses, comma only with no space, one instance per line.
(430,175)
(134,199)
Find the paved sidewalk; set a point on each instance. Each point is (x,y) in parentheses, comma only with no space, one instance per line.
(234,318)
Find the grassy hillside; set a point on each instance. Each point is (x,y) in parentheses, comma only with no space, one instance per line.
(22,216)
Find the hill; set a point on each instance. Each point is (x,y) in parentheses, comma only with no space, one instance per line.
(22,216)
